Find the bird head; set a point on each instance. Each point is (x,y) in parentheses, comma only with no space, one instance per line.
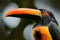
(28,13)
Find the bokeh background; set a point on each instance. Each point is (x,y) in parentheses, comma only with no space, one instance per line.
(12,28)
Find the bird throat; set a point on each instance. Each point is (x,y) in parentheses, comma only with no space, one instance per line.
(41,33)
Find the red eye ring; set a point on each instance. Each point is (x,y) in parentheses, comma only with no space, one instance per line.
(47,13)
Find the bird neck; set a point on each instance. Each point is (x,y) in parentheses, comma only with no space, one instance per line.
(42,33)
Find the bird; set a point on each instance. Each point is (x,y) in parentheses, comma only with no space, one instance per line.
(46,27)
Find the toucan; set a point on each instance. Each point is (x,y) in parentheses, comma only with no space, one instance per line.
(46,27)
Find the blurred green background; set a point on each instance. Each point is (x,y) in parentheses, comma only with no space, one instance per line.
(17,33)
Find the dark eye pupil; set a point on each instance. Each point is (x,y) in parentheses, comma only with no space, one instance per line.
(42,12)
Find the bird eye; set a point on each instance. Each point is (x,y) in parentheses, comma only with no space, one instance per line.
(43,13)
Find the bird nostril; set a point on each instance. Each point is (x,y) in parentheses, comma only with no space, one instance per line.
(37,35)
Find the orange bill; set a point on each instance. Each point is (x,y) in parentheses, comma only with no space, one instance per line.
(23,11)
